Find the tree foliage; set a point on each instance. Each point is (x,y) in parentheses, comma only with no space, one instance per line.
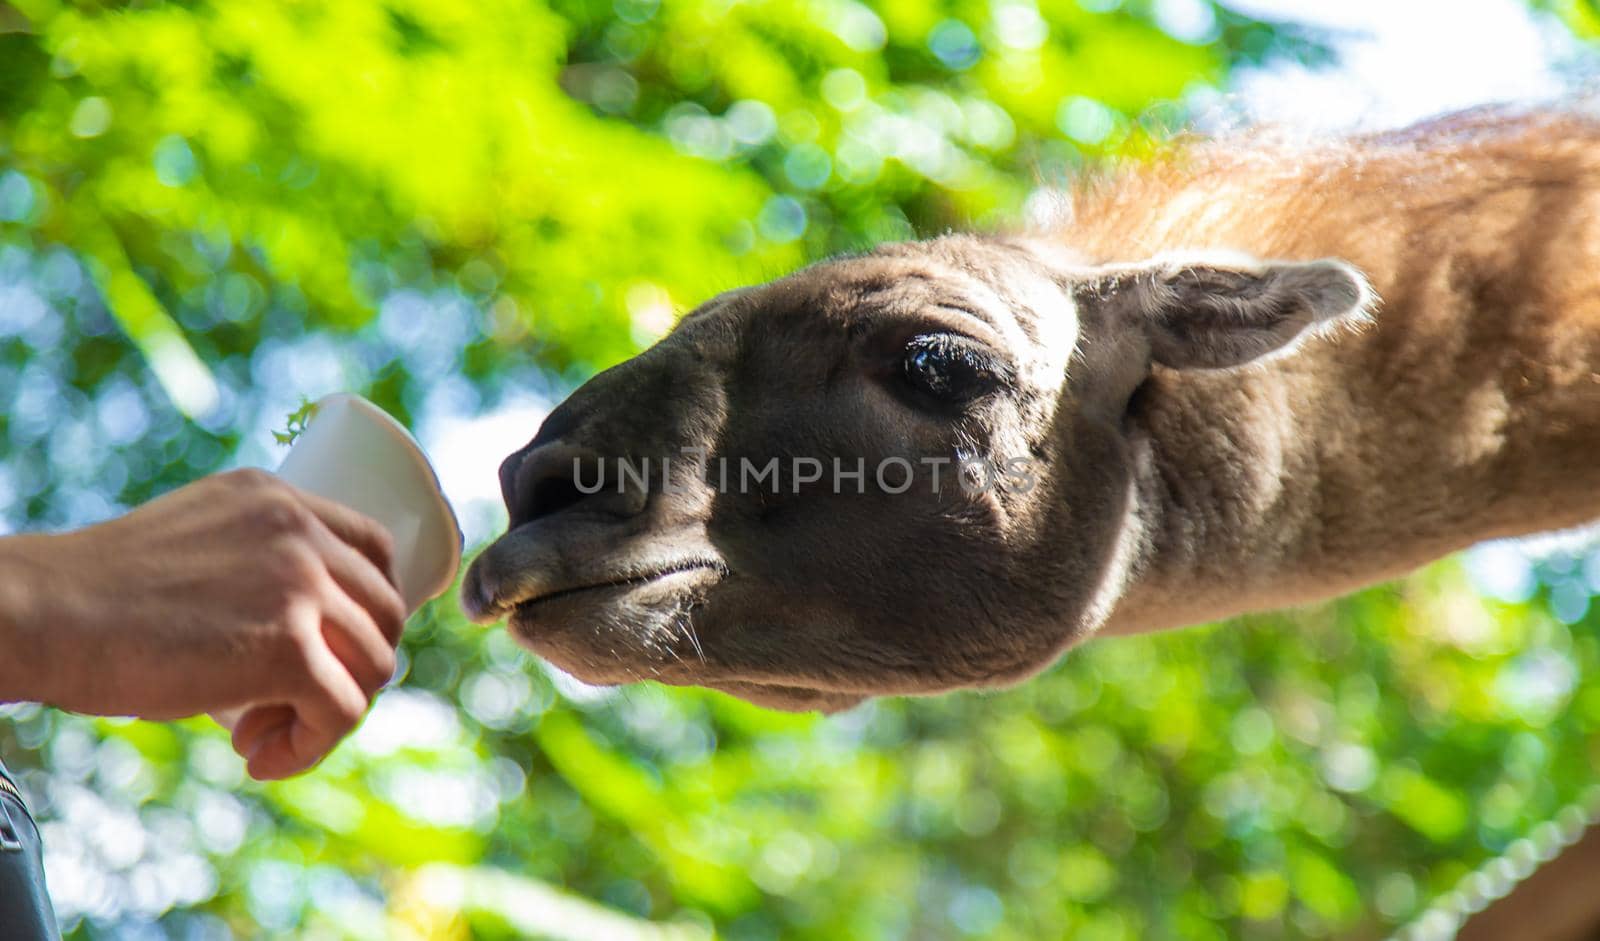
(210,210)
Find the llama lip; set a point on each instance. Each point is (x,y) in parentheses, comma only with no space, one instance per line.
(548,559)
(625,581)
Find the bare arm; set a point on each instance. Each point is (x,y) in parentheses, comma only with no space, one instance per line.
(235,591)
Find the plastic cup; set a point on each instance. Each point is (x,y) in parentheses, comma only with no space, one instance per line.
(355,453)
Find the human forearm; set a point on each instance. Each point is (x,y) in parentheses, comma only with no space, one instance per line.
(26,617)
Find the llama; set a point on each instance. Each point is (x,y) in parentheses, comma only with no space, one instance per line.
(1248,376)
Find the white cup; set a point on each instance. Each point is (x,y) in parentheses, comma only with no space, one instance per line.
(355,453)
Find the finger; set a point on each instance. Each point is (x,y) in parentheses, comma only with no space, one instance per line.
(228,718)
(355,639)
(257,723)
(364,584)
(330,708)
(272,756)
(365,534)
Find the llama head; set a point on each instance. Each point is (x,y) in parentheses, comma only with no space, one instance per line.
(901,472)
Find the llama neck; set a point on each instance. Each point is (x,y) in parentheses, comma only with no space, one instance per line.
(1471,411)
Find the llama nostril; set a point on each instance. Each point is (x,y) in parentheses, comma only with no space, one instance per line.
(547,481)
(552,495)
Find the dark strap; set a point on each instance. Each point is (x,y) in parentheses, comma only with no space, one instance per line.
(25,912)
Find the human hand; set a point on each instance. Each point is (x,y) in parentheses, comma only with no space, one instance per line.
(235,592)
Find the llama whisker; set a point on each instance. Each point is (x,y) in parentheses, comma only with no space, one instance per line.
(695,640)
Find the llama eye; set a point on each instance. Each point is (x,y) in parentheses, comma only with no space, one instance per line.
(948,368)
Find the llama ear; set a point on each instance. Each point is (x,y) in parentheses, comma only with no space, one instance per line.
(1204,314)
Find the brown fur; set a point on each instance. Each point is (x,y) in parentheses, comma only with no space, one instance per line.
(1212,434)
(1472,411)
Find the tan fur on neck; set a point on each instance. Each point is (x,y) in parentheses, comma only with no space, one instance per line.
(1471,410)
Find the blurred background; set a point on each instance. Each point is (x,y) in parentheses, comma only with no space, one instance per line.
(210,211)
